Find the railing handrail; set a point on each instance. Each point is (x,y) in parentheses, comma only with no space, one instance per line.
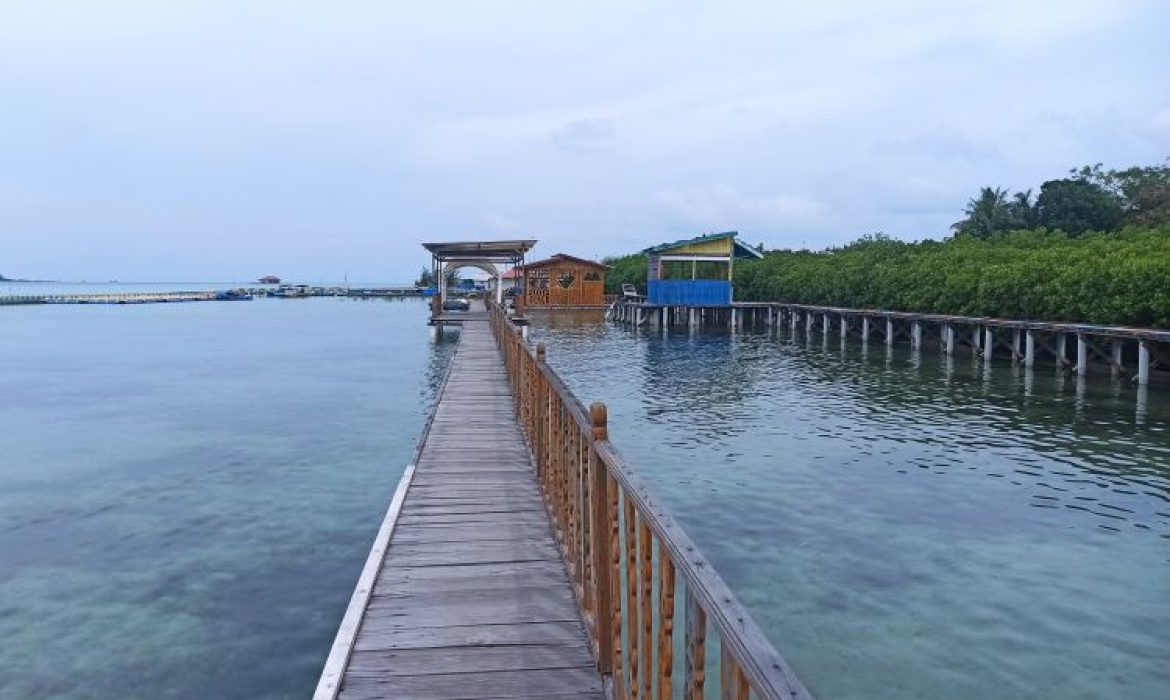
(762,666)
(1115,331)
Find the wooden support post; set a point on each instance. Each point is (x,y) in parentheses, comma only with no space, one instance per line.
(645,596)
(696,659)
(1029,348)
(890,332)
(632,595)
(732,683)
(665,624)
(615,587)
(1143,375)
(600,531)
(1082,355)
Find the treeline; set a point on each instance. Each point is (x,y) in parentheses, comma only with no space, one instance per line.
(1109,278)
(1092,248)
(1090,199)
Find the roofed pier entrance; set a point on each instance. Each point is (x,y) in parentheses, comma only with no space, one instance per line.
(484,255)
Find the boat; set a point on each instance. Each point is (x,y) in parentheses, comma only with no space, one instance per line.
(233,295)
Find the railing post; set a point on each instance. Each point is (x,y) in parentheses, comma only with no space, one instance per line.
(538,442)
(600,531)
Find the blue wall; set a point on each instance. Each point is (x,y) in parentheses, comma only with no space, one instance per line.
(690,292)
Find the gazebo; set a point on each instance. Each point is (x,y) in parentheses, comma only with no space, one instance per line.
(484,255)
(695,271)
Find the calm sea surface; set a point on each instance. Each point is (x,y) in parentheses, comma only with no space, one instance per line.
(188,492)
(900,526)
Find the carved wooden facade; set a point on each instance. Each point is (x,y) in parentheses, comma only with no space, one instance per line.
(564,280)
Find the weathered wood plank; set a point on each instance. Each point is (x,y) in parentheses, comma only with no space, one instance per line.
(375,636)
(469,659)
(471,599)
(537,683)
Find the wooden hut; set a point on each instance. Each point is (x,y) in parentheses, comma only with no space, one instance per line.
(695,271)
(564,281)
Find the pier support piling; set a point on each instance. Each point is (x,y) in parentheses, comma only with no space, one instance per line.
(1082,355)
(1143,375)
(1029,349)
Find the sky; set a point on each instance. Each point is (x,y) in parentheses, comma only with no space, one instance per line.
(166,140)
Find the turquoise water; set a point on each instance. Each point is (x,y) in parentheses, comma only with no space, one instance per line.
(902,526)
(188,492)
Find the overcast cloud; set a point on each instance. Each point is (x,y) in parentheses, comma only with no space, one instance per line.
(222,140)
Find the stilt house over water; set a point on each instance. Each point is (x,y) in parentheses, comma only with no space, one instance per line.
(696,271)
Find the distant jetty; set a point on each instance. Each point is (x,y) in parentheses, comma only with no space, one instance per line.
(283,292)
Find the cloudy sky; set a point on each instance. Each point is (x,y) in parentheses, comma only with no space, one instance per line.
(222,140)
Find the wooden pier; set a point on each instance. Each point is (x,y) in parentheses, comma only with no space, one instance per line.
(470,598)
(1136,354)
(521,557)
(108,298)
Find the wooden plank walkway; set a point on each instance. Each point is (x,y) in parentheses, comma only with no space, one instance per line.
(471,599)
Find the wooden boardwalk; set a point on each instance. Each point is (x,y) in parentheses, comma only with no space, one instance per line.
(465,594)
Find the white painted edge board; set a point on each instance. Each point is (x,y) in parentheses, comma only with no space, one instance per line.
(330,683)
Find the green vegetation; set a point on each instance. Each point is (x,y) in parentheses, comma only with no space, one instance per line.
(1115,278)
(627,269)
(1093,247)
(426,278)
(1091,199)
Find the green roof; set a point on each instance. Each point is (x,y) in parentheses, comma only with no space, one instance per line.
(740,248)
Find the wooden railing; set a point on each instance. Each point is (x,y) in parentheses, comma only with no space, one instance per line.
(628,559)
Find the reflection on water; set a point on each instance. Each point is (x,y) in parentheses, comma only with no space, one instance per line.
(188,491)
(904,524)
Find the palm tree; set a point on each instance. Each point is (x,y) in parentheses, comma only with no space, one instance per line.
(987,214)
(1025,213)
